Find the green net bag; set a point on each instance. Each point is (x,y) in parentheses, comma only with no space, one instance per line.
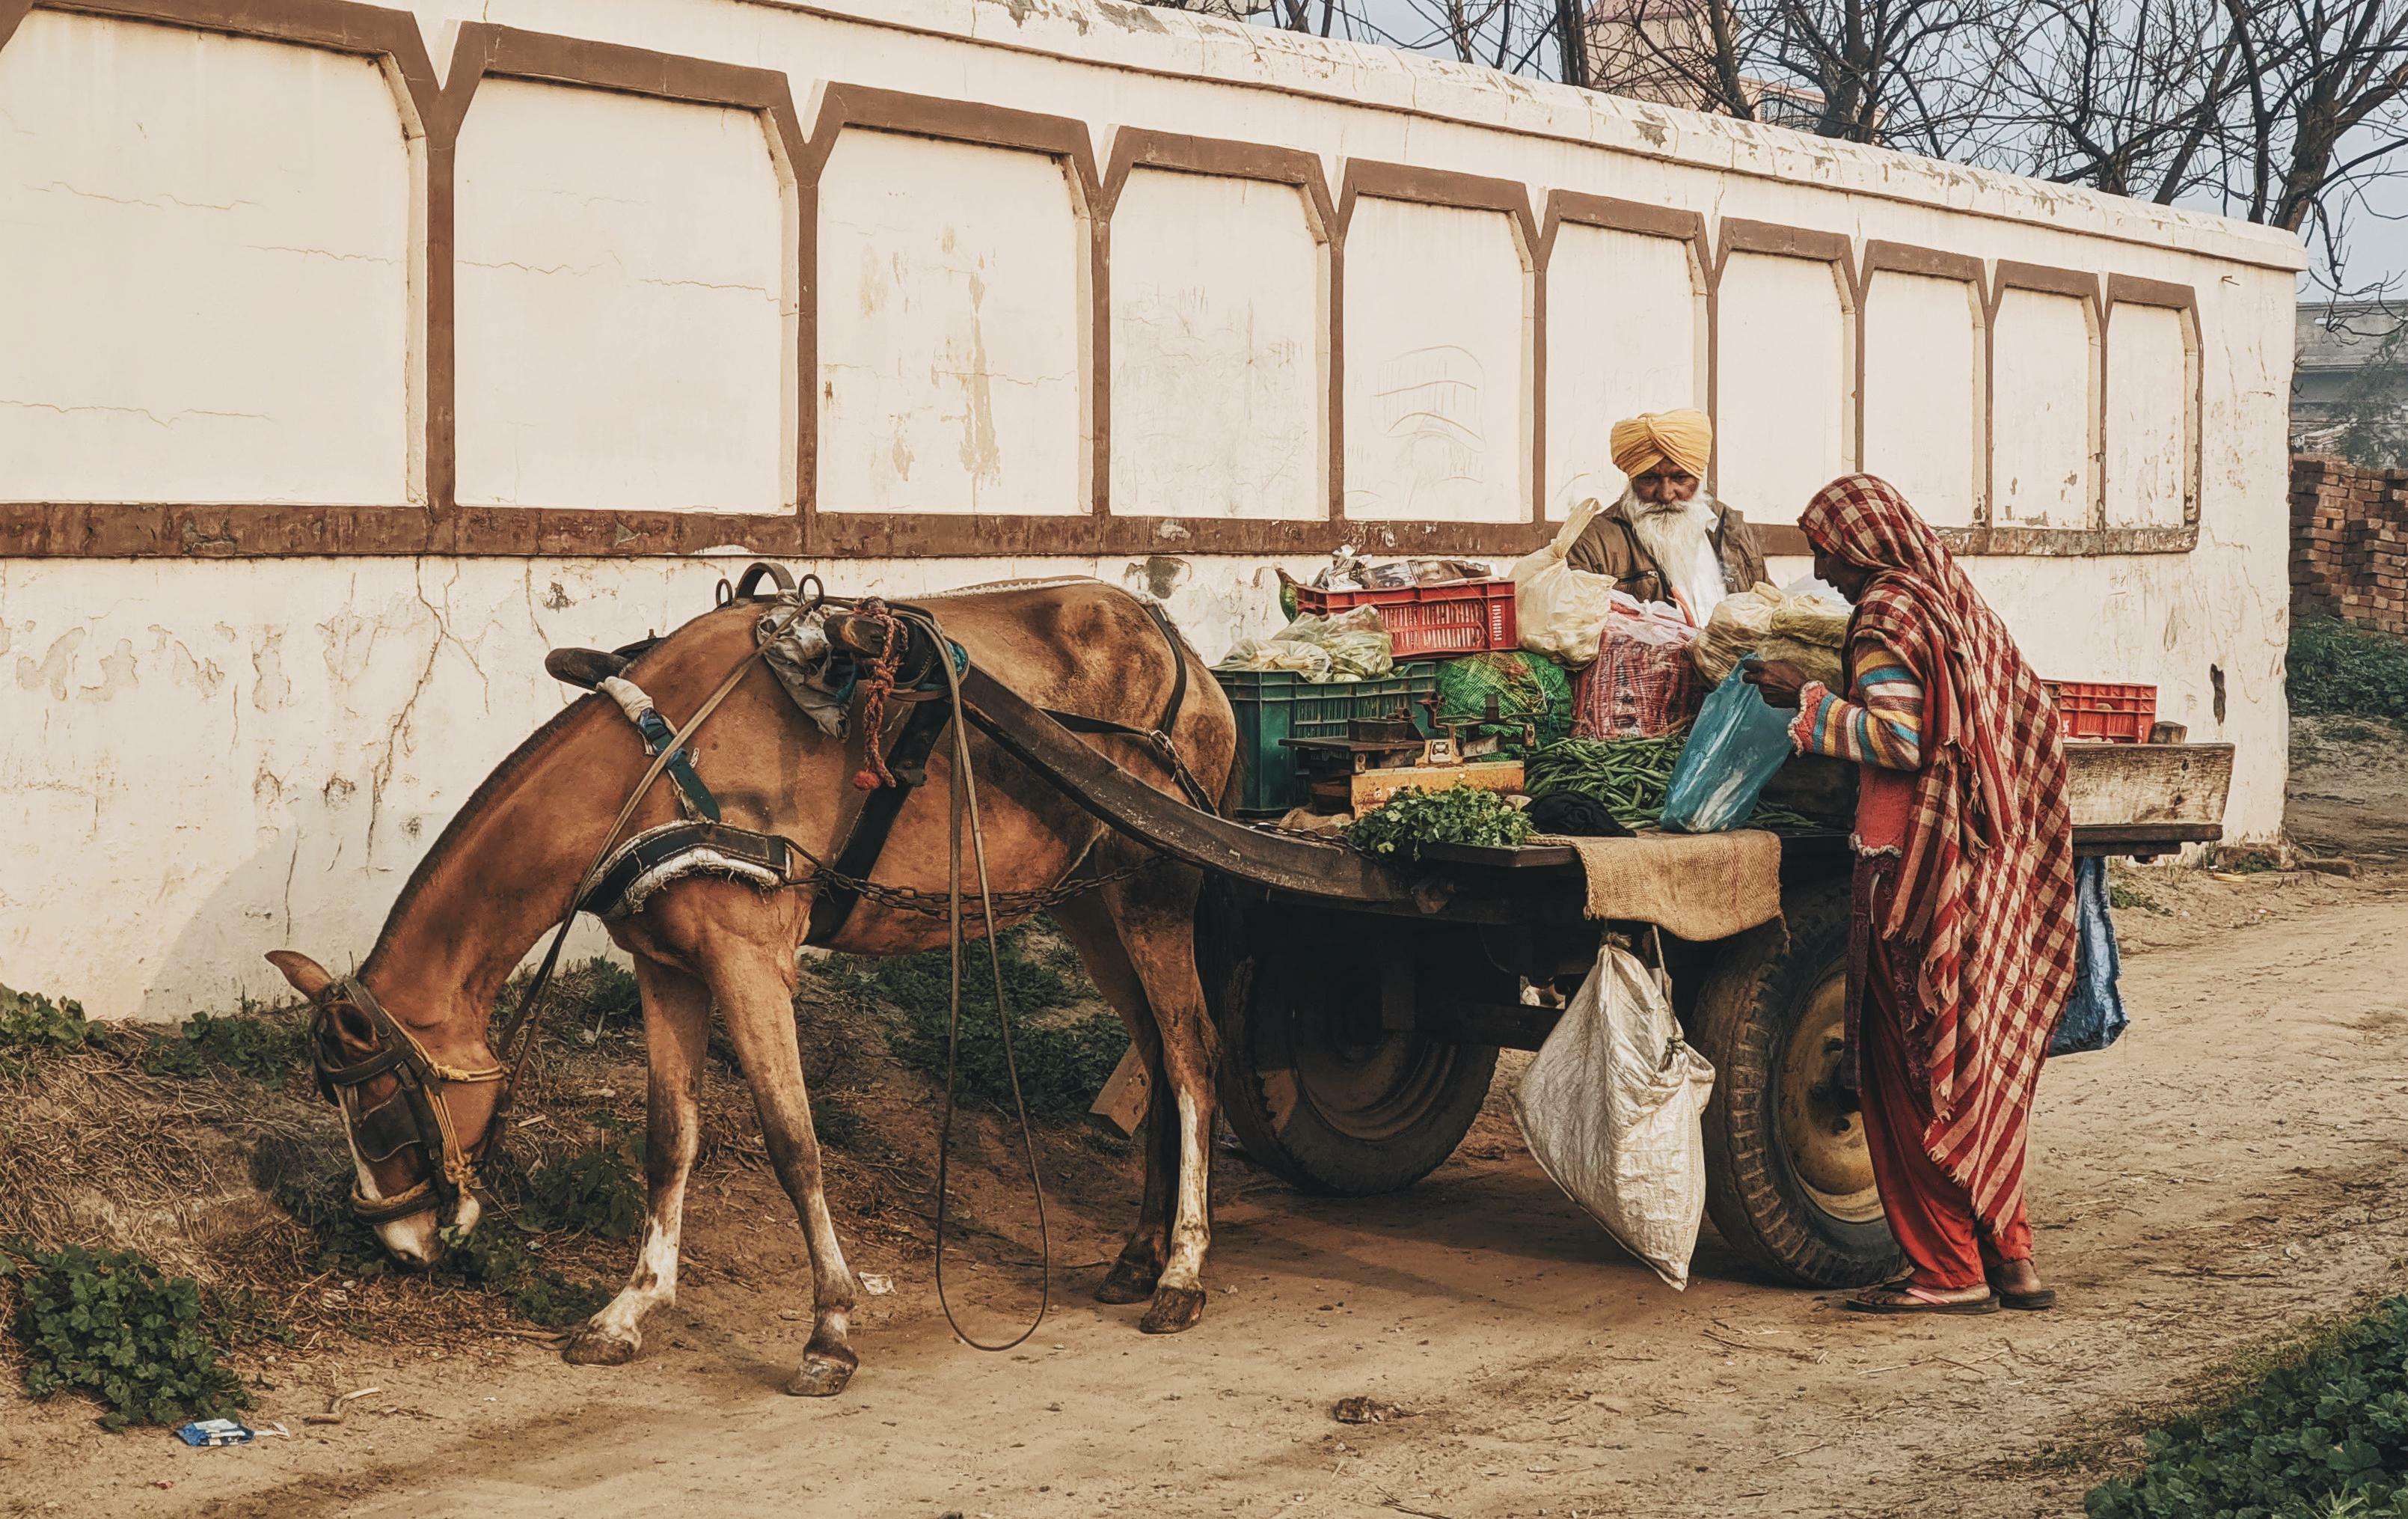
(1528,687)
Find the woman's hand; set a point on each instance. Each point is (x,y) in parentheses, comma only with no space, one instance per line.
(1777,681)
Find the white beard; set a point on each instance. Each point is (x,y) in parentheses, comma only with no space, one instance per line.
(1680,539)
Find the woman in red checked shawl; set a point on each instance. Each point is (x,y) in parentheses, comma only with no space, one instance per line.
(1962,937)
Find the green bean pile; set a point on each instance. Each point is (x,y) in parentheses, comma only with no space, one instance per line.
(1630,778)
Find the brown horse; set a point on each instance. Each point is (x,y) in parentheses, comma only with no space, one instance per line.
(410,1031)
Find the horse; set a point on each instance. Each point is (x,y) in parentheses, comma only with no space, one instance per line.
(403,1047)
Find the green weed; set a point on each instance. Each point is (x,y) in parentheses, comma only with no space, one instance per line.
(594,1191)
(1065,1041)
(2323,1434)
(2338,669)
(112,1326)
(266,1047)
(31,1023)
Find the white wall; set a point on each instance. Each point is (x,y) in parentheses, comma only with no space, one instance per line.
(2044,472)
(1785,365)
(951,321)
(623,334)
(209,293)
(1923,393)
(199,302)
(1626,333)
(1220,297)
(1438,419)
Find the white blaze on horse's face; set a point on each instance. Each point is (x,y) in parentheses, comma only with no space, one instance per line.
(415,1240)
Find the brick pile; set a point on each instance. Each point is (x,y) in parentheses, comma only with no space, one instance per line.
(2349,543)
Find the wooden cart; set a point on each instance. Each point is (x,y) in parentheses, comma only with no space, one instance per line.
(1362,1005)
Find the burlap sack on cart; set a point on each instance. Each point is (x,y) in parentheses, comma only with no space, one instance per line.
(1612,1108)
(1562,610)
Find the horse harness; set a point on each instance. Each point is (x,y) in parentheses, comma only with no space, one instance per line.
(626,874)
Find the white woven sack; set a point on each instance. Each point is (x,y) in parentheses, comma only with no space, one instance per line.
(1612,1108)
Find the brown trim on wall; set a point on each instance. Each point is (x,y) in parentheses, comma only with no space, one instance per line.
(1774,240)
(1883,257)
(1447,188)
(1136,147)
(1067,139)
(1613,214)
(2041,279)
(483,52)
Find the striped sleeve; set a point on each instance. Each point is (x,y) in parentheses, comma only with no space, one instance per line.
(1883,727)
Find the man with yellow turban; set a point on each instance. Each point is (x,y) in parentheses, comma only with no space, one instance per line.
(1666,538)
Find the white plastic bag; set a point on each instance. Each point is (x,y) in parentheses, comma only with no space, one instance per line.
(1562,610)
(1612,1109)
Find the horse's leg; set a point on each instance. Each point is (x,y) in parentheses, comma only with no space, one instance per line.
(677,1028)
(1156,916)
(755,993)
(1085,922)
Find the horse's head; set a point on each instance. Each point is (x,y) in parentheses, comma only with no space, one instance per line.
(418,1113)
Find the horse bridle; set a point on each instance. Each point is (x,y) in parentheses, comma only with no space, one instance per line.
(415,1113)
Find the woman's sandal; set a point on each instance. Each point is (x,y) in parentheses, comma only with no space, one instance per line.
(1913,1299)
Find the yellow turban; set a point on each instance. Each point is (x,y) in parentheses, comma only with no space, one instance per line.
(1682,438)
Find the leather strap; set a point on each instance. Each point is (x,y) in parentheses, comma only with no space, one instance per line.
(656,847)
(907,761)
(1159,737)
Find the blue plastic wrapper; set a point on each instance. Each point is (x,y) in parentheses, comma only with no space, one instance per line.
(209,1432)
(2094,1015)
(1735,748)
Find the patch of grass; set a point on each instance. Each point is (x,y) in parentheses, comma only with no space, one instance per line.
(594,1191)
(1065,1041)
(499,1259)
(265,1046)
(114,1328)
(32,1024)
(2320,1432)
(2336,668)
(2126,897)
(584,1001)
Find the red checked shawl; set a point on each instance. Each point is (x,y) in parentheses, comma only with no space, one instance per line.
(1986,881)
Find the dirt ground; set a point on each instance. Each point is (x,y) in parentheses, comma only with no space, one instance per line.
(2234,1169)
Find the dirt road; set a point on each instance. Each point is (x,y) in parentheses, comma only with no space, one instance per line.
(2234,1167)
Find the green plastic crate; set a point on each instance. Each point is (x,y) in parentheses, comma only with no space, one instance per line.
(1273,705)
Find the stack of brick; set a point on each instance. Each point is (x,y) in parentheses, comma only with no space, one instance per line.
(2349,543)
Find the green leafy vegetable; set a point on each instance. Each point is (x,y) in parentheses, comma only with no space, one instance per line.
(1463,815)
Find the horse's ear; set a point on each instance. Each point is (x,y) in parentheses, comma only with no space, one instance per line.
(308,975)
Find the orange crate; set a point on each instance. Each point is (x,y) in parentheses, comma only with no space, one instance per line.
(2109,710)
(1469,617)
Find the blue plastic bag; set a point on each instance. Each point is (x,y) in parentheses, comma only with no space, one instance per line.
(1736,746)
(2094,1016)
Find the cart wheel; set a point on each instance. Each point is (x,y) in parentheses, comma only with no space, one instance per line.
(1789,1180)
(1317,1091)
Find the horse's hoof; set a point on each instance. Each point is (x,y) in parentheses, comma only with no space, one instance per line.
(1128,1281)
(592,1345)
(1174,1309)
(825,1373)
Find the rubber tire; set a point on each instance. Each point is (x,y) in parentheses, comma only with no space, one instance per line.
(1243,955)
(1747,1011)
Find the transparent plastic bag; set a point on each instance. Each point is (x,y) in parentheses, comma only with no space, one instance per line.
(1562,610)
(1736,747)
(1353,645)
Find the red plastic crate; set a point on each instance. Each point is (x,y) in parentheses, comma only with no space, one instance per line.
(2108,710)
(1469,617)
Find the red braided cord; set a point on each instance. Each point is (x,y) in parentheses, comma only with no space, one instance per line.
(879,676)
